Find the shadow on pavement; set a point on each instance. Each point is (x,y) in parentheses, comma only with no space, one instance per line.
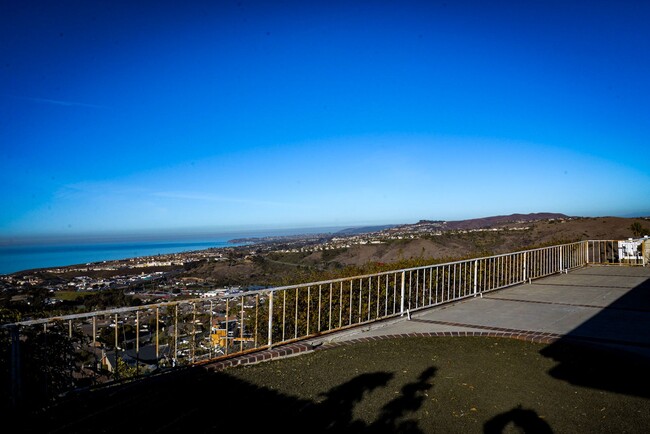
(610,351)
(199,401)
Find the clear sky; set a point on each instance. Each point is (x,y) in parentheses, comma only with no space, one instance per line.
(127,116)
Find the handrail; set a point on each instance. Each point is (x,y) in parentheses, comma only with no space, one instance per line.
(259,291)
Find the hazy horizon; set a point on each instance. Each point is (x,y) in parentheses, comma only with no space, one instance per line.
(169,235)
(205,234)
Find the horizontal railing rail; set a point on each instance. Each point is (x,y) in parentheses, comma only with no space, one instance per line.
(48,357)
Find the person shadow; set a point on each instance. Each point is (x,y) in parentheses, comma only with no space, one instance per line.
(335,412)
(524,420)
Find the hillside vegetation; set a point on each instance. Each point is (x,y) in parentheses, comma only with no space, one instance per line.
(283,267)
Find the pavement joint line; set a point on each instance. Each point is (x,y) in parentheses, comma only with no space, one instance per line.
(580,286)
(541,333)
(594,306)
(608,275)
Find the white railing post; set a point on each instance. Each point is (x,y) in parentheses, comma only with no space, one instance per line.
(270,333)
(401,305)
(475,277)
(525,270)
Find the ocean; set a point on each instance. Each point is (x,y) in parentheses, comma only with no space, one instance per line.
(19,257)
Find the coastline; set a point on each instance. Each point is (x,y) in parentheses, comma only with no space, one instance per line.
(17,258)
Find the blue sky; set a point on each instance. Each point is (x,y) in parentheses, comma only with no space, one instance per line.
(126,117)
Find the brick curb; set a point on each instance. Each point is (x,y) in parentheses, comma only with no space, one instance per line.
(300,348)
(536,337)
(261,356)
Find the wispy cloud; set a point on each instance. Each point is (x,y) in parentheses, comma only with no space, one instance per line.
(62,102)
(206,197)
(99,189)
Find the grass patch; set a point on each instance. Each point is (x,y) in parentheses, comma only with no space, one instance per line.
(414,385)
(453,385)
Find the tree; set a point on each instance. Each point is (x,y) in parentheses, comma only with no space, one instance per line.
(124,370)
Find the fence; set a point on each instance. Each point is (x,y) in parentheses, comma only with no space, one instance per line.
(45,358)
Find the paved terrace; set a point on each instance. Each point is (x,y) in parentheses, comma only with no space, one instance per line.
(602,305)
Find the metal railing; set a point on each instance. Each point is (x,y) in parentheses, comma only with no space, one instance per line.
(48,357)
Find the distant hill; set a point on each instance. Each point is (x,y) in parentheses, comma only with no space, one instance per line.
(533,230)
(477,223)
(490,222)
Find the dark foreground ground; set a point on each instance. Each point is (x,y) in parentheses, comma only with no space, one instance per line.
(397,385)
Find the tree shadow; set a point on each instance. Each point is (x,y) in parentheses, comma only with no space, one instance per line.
(611,350)
(335,412)
(525,420)
(195,400)
(410,400)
